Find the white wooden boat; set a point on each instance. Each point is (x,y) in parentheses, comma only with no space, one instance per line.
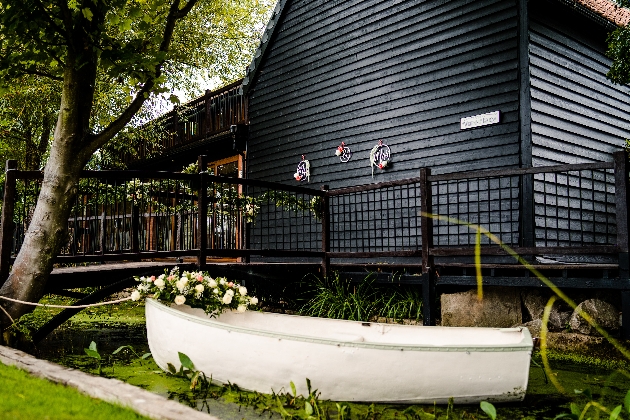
(345,360)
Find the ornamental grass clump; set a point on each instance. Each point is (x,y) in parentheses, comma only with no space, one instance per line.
(195,289)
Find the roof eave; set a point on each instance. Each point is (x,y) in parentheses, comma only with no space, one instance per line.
(252,69)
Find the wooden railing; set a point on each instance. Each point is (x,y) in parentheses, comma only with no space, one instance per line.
(211,114)
(574,210)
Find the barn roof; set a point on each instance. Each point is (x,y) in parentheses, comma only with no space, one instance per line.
(606,9)
(604,12)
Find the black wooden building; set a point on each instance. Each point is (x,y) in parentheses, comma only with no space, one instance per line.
(407,72)
(496,113)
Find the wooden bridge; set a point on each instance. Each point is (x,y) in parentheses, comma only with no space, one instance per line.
(141,222)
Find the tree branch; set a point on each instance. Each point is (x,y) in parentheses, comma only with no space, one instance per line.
(67,22)
(36,72)
(49,18)
(97,140)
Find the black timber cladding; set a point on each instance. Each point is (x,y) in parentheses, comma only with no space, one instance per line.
(577,116)
(406,73)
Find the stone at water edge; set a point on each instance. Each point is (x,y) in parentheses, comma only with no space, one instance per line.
(605,314)
(500,307)
(534,303)
(533,326)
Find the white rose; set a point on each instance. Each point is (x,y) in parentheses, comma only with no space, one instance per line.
(184,280)
(199,288)
(215,291)
(212,283)
(230,292)
(179,300)
(253,300)
(180,285)
(241,308)
(143,288)
(135,295)
(222,281)
(159,283)
(242,290)
(227,299)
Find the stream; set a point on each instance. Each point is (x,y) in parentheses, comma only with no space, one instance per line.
(543,401)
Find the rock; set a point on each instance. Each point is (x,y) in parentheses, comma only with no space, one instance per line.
(500,307)
(534,303)
(574,343)
(603,313)
(533,326)
(558,320)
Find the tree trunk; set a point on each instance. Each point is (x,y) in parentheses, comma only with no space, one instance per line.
(47,232)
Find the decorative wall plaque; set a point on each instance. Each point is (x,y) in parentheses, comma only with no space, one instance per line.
(303,172)
(380,156)
(343,152)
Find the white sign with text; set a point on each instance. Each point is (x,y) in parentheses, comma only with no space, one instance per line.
(479,120)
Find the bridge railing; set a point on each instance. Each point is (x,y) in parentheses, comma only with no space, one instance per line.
(573,211)
(133,215)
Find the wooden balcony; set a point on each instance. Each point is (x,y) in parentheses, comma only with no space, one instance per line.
(206,117)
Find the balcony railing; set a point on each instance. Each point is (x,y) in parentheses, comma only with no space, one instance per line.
(204,117)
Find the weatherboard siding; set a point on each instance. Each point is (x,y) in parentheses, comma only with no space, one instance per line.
(577,116)
(402,72)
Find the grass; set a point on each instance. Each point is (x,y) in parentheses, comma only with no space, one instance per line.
(341,299)
(26,397)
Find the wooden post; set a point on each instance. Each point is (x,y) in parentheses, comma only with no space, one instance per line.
(622,200)
(202,211)
(526,192)
(176,137)
(426,229)
(426,223)
(207,121)
(325,232)
(7,223)
(135,229)
(103,236)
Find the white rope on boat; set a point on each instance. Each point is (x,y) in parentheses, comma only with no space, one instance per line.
(64,306)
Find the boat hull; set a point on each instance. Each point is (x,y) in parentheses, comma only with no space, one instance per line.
(345,360)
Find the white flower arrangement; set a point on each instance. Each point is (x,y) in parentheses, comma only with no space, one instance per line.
(197,289)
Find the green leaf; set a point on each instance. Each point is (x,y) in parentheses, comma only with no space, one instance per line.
(626,401)
(93,354)
(87,13)
(575,409)
(185,361)
(194,379)
(586,392)
(92,346)
(489,409)
(174,99)
(119,349)
(614,415)
(146,356)
(308,408)
(171,368)
(283,412)
(308,385)
(293,389)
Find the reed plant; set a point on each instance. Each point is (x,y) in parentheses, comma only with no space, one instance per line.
(340,298)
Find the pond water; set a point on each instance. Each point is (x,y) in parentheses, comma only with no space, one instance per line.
(543,401)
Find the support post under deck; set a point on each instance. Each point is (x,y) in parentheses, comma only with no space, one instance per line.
(622,200)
